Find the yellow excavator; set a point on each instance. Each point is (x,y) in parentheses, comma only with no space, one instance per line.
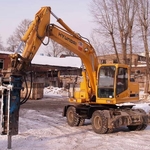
(103,89)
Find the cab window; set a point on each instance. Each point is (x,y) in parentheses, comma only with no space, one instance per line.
(106,82)
(122,80)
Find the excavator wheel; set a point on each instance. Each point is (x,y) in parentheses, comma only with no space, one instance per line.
(110,130)
(138,127)
(72,118)
(81,121)
(134,128)
(99,122)
(143,126)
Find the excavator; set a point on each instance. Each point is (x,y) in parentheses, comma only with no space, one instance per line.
(105,91)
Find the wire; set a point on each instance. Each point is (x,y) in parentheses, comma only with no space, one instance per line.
(28,93)
(42,37)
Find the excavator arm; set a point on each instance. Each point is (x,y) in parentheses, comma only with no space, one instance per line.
(33,38)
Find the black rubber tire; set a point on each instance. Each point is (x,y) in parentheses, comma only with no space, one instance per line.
(143,126)
(138,127)
(134,128)
(110,130)
(99,122)
(81,121)
(72,118)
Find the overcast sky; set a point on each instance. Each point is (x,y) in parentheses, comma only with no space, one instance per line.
(75,14)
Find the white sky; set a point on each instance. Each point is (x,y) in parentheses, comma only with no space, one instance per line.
(75,14)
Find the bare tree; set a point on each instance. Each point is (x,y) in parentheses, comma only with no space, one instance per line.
(101,49)
(125,12)
(1,44)
(14,40)
(103,12)
(12,43)
(53,49)
(115,19)
(130,18)
(68,52)
(143,14)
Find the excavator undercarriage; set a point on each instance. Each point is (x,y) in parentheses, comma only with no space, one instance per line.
(106,118)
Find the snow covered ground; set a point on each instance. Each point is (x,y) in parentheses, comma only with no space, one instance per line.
(40,129)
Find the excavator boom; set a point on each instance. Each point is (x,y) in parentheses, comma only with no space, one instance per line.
(42,27)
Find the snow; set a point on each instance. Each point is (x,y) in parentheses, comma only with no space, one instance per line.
(55,91)
(48,130)
(54,61)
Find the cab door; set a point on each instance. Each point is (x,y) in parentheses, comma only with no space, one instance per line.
(122,92)
(121,80)
(106,84)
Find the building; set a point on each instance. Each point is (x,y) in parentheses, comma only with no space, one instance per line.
(59,71)
(136,59)
(4,60)
(48,71)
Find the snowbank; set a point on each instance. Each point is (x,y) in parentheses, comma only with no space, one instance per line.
(55,91)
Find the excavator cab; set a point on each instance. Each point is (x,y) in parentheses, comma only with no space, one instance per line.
(114,85)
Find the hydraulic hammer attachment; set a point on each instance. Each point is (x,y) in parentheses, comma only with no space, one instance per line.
(10,105)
